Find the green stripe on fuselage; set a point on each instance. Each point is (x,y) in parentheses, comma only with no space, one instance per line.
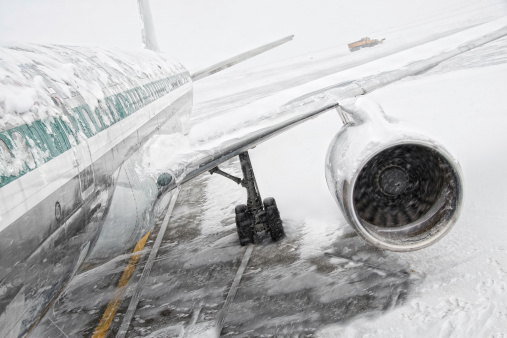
(53,137)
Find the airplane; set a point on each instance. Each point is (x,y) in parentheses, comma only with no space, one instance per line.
(72,120)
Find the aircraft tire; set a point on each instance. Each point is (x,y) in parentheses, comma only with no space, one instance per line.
(273,220)
(244,225)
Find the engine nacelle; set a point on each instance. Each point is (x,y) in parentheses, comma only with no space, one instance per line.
(399,189)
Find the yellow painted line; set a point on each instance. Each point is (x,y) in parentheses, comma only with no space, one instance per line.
(112,307)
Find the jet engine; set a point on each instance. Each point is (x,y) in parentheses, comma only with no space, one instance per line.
(399,189)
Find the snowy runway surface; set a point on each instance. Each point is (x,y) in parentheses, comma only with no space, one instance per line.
(280,293)
(322,279)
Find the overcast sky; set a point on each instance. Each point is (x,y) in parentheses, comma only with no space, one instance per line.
(200,32)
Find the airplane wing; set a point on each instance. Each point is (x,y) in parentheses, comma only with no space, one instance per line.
(399,189)
(309,106)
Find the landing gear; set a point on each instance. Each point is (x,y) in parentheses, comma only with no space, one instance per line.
(255,216)
(244,225)
(273,220)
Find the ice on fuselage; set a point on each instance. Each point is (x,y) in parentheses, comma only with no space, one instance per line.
(57,97)
(29,73)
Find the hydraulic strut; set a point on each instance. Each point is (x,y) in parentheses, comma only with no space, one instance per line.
(255,216)
(254,200)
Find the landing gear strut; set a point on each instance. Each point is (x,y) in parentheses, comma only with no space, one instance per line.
(255,216)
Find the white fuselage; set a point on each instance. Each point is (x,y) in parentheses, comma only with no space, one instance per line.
(71,119)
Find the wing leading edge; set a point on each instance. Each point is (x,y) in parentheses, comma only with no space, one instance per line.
(309,106)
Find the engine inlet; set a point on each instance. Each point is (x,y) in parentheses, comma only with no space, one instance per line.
(400,184)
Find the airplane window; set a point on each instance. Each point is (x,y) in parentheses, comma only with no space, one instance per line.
(145,94)
(124,106)
(140,94)
(126,103)
(25,153)
(66,113)
(112,109)
(103,113)
(89,121)
(5,153)
(99,119)
(99,116)
(149,92)
(160,89)
(137,100)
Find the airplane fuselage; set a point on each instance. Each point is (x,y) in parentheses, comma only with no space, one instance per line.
(71,121)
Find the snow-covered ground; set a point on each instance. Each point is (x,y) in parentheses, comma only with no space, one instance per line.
(463,104)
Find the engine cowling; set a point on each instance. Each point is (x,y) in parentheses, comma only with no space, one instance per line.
(399,189)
